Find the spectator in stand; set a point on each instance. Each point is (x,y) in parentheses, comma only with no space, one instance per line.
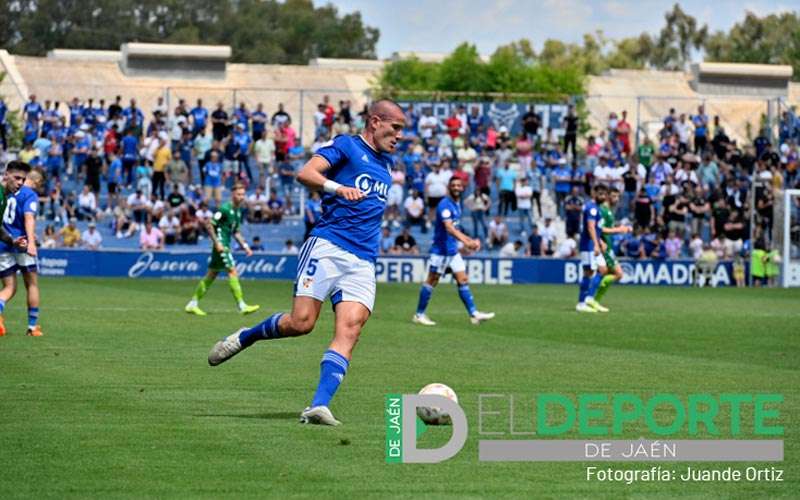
(567,249)
(170,225)
(483,175)
(313,212)
(49,237)
(536,246)
(573,208)
(151,238)
(242,141)
(275,208)
(213,179)
(479,205)
(177,172)
(87,204)
(415,210)
(290,248)
(91,238)
(562,176)
(428,125)
(524,194)
(700,122)
(548,233)
(405,244)
(190,226)
(673,245)
(259,118)
(161,158)
(280,117)
(623,133)
(570,124)
(264,150)
(436,188)
(386,242)
(498,232)
(256,245)
(219,122)
(505,178)
(257,205)
(511,250)
(69,234)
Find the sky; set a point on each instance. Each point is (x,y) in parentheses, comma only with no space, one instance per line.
(441,25)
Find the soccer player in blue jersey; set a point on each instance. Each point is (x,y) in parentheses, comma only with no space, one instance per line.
(445,256)
(338,259)
(16,171)
(19,221)
(591,251)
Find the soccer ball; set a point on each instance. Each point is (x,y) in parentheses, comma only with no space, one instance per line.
(434,415)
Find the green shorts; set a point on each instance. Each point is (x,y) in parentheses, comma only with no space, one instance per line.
(221,261)
(611,261)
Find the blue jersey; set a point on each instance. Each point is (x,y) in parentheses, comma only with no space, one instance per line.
(200,116)
(130,147)
(115,171)
(443,242)
(24,201)
(213,173)
(355,226)
(590,213)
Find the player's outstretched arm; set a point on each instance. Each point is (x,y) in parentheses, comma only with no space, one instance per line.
(312,176)
(212,233)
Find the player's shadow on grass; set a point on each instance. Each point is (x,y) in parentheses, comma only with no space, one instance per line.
(274,415)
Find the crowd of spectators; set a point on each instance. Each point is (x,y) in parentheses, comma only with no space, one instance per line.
(159,178)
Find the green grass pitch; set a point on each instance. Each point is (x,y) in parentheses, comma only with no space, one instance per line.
(117,400)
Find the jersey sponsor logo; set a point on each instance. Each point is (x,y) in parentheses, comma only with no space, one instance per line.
(366,184)
(365,158)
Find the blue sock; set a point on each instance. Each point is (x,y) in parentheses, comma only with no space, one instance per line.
(466,297)
(33,316)
(594,284)
(2,306)
(266,330)
(424,297)
(584,289)
(332,370)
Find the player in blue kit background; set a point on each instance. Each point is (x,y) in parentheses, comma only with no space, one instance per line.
(338,259)
(591,252)
(445,256)
(18,247)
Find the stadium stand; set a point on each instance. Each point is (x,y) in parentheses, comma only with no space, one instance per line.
(694,171)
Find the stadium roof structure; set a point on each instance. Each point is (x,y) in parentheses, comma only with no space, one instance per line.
(763,80)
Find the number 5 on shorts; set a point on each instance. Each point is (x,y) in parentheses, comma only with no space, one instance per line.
(311,267)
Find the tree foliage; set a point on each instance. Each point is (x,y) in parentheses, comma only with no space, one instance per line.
(774,39)
(512,69)
(259,31)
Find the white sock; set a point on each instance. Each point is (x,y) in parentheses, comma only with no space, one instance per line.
(242,305)
(192,303)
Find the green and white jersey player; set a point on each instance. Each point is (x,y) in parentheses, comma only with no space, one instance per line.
(223,227)
(611,271)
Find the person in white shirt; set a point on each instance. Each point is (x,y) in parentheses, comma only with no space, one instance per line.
(290,248)
(436,187)
(684,130)
(524,194)
(696,246)
(169,225)
(603,172)
(548,233)
(566,249)
(428,124)
(466,156)
(462,117)
(498,232)
(510,250)
(264,149)
(415,209)
(87,204)
(91,238)
(257,205)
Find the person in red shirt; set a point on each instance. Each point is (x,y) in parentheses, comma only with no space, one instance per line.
(111,141)
(483,174)
(330,113)
(624,133)
(453,124)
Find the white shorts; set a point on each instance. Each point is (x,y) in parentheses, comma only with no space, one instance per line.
(324,269)
(10,263)
(592,261)
(439,263)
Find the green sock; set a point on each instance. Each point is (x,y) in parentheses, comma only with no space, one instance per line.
(603,288)
(236,289)
(202,288)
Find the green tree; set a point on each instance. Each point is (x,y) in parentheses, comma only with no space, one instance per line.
(773,39)
(259,31)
